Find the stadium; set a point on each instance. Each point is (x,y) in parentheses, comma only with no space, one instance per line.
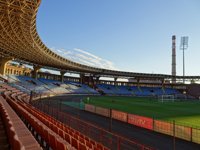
(42,110)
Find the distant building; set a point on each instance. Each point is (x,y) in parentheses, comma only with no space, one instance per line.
(16,69)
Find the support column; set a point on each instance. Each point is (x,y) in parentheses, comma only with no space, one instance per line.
(62,73)
(163,83)
(82,78)
(97,80)
(138,82)
(115,81)
(3,62)
(163,86)
(35,71)
(91,81)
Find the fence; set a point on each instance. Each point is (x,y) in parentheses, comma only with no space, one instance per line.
(110,140)
(169,128)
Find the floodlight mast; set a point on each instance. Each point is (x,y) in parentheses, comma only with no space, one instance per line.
(184,46)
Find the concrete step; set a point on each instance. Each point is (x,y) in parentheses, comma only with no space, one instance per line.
(4,145)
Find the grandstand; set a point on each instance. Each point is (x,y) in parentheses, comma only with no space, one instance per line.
(48,86)
(25,126)
(135,91)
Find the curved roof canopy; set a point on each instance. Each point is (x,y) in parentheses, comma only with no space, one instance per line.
(19,40)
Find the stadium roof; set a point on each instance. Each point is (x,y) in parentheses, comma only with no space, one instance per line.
(19,40)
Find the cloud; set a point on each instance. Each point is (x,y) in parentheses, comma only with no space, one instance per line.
(84,57)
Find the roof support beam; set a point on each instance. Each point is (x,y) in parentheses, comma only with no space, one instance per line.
(62,73)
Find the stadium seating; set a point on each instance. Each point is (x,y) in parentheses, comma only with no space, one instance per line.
(170,91)
(105,88)
(28,84)
(55,86)
(136,91)
(72,136)
(48,87)
(51,132)
(75,87)
(68,87)
(19,136)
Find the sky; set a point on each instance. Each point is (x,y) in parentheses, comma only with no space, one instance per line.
(126,35)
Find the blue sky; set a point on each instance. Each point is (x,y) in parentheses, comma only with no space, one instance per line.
(129,35)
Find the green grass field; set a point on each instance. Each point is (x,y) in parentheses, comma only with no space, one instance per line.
(183,112)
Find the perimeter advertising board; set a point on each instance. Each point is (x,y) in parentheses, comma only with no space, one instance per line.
(103,111)
(90,108)
(163,127)
(140,121)
(183,132)
(196,135)
(118,115)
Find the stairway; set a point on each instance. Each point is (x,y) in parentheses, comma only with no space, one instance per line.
(4,145)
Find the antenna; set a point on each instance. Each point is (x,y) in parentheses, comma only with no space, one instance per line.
(184,46)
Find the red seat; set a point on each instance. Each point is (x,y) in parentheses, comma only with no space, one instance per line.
(74,143)
(53,142)
(86,138)
(93,142)
(61,146)
(99,146)
(81,140)
(68,138)
(89,144)
(66,130)
(71,133)
(77,133)
(55,129)
(82,146)
(75,136)
(105,148)
(46,136)
(41,130)
(61,133)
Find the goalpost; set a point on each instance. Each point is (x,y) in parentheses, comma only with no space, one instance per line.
(166,98)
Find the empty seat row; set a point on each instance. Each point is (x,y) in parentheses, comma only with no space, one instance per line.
(75,138)
(50,137)
(19,136)
(61,145)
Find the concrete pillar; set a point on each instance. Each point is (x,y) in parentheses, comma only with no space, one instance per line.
(82,78)
(3,62)
(54,77)
(62,73)
(91,81)
(138,82)
(97,80)
(35,71)
(115,81)
(163,82)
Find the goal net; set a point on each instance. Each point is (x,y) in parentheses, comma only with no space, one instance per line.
(166,98)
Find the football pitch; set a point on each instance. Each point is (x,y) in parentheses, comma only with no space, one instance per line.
(182,112)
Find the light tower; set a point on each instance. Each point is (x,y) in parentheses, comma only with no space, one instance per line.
(174,59)
(184,46)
